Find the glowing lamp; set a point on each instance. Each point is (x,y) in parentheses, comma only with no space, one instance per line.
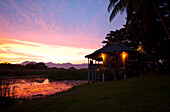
(103,56)
(124,55)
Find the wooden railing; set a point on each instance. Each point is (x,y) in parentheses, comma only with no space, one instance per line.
(95,66)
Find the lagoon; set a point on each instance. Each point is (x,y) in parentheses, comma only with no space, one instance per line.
(34,87)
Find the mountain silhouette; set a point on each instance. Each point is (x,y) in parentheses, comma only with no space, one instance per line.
(58,65)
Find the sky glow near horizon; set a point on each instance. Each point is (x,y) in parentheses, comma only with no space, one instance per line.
(53,31)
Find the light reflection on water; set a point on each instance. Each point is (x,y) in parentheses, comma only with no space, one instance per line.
(38,87)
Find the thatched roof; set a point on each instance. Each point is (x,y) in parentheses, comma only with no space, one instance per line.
(115,47)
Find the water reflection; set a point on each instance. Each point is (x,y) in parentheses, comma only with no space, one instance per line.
(38,87)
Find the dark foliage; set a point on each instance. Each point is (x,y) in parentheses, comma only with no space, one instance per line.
(147,24)
(40,65)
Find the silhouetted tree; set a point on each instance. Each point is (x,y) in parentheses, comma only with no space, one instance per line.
(71,68)
(121,36)
(41,65)
(30,66)
(147,23)
(139,12)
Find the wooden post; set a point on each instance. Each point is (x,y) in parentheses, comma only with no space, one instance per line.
(125,69)
(116,68)
(107,75)
(98,74)
(103,76)
(95,76)
(141,74)
(115,74)
(88,72)
(92,77)
(125,74)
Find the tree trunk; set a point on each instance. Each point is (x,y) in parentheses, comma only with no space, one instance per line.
(162,21)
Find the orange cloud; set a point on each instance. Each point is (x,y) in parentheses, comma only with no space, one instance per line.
(18,51)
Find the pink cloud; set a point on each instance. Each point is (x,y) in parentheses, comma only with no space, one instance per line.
(78,39)
(36,29)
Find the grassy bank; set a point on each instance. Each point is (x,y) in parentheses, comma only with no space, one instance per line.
(140,94)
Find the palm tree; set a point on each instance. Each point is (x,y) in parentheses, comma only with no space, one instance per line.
(133,8)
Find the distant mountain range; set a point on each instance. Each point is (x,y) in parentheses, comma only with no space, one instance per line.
(58,65)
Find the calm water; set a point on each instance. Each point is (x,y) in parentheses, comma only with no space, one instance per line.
(37,87)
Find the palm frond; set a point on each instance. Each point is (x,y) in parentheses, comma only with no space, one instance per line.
(119,5)
(123,4)
(111,5)
(116,9)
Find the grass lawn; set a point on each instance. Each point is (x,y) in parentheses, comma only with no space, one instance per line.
(140,94)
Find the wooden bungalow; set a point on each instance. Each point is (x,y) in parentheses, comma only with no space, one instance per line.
(107,63)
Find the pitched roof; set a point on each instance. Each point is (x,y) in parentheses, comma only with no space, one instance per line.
(115,47)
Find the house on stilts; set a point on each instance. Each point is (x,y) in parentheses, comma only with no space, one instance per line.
(112,62)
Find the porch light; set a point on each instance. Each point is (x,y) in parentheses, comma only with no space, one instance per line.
(124,55)
(103,56)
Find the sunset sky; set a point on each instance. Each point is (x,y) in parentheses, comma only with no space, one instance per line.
(57,31)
